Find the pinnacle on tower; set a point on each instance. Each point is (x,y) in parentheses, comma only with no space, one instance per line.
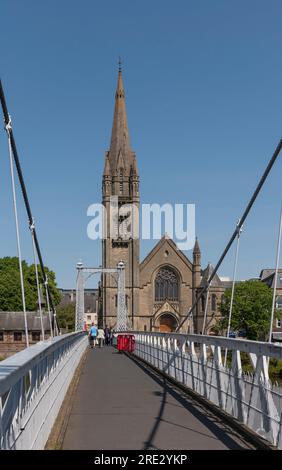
(107,168)
(196,249)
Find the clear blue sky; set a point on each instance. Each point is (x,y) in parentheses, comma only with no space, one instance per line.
(204,102)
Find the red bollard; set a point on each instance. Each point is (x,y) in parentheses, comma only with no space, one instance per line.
(126,343)
(131,343)
(120,343)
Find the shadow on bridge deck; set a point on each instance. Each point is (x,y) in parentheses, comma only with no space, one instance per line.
(121,404)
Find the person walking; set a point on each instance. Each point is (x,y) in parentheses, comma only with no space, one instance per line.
(93,335)
(107,333)
(101,337)
(112,336)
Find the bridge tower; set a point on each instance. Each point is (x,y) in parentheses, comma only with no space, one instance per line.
(120,197)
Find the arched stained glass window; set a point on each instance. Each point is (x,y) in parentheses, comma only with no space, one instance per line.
(166,285)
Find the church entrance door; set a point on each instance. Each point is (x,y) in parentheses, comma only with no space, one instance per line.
(168,323)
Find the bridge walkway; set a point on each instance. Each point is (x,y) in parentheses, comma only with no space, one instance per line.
(121,404)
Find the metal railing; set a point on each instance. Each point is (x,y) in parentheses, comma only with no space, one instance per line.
(195,361)
(33,384)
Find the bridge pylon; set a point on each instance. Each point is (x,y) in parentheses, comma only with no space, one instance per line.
(123,322)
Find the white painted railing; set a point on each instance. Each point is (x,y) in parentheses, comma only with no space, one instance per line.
(33,384)
(196,362)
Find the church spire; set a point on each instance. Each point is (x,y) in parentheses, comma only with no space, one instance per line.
(120,149)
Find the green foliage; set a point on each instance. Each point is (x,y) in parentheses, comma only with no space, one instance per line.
(251,309)
(66,316)
(10,289)
(275,369)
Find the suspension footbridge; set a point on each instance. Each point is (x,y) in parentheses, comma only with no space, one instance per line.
(174,391)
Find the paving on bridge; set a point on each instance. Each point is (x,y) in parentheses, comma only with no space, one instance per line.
(122,404)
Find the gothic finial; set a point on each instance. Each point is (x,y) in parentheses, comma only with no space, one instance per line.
(196,247)
(119,64)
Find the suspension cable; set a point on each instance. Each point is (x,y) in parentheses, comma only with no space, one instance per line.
(24,192)
(234,235)
(275,278)
(48,306)
(37,280)
(56,328)
(233,289)
(206,311)
(8,128)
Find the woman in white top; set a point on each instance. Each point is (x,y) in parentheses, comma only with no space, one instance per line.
(101,337)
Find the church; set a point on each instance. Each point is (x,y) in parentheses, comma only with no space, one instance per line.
(161,288)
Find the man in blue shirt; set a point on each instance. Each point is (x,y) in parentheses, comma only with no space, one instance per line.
(93,335)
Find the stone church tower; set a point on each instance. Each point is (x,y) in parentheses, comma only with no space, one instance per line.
(120,194)
(162,288)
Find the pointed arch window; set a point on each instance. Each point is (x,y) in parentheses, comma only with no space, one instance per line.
(203,302)
(130,181)
(213,302)
(121,180)
(167,285)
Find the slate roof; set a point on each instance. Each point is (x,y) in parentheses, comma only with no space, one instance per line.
(216,282)
(277,336)
(226,284)
(90,298)
(267,276)
(14,321)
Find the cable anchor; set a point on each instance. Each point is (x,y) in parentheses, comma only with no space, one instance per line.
(239,229)
(32,225)
(8,125)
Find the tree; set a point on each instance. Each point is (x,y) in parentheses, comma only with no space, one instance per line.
(66,316)
(251,310)
(10,288)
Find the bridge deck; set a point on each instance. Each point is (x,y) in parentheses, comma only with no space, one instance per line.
(120,404)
